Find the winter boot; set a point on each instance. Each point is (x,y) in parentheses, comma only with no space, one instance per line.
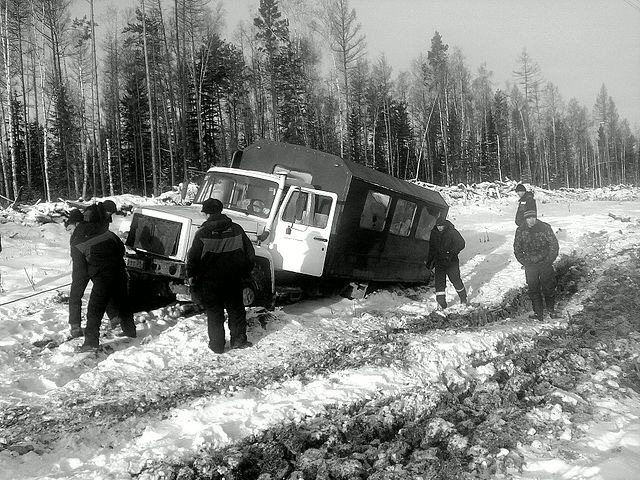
(89,345)
(463,296)
(245,344)
(88,348)
(128,327)
(441,298)
(114,322)
(538,309)
(76,331)
(550,301)
(216,349)
(554,314)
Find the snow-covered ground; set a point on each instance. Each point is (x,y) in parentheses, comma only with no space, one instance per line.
(164,397)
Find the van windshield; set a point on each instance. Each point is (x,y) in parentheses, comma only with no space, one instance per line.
(241,193)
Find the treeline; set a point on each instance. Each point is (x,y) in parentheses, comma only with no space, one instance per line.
(164,96)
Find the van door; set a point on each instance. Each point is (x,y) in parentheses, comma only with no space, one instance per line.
(303,229)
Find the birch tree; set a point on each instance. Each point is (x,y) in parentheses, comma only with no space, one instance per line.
(348,45)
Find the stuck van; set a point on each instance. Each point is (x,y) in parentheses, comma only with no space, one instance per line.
(315,219)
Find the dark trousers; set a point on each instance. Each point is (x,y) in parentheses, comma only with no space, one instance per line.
(109,288)
(78,286)
(541,282)
(452,271)
(217,300)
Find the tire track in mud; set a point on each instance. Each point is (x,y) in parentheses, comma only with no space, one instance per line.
(473,429)
(106,410)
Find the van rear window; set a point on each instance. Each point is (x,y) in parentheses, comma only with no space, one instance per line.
(425,224)
(402,218)
(154,235)
(374,213)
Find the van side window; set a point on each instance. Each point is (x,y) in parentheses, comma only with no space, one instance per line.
(374,213)
(425,224)
(308,209)
(402,218)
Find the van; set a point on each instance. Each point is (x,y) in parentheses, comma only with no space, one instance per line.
(315,220)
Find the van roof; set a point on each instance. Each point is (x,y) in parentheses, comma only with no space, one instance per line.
(330,172)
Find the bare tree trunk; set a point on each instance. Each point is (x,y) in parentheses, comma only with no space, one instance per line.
(4,36)
(111,190)
(6,174)
(25,112)
(154,174)
(34,80)
(181,93)
(447,179)
(171,125)
(526,145)
(83,149)
(97,93)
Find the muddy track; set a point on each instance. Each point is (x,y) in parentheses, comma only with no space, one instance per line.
(112,407)
(471,430)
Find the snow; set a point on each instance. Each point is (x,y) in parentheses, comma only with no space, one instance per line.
(171,348)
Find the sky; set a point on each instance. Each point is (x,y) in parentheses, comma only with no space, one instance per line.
(578,44)
(172,346)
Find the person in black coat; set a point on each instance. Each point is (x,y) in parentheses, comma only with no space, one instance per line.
(526,204)
(79,277)
(96,213)
(220,256)
(444,246)
(102,252)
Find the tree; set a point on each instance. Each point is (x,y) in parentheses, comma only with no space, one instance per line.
(273,34)
(436,76)
(348,46)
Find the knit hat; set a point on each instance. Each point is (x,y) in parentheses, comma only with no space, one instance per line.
(440,221)
(212,205)
(520,188)
(110,206)
(530,213)
(74,217)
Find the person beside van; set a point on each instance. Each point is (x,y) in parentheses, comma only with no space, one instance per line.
(103,254)
(220,256)
(445,244)
(526,203)
(79,277)
(97,213)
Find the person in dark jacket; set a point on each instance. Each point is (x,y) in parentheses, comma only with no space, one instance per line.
(79,277)
(536,248)
(103,254)
(444,246)
(526,203)
(220,256)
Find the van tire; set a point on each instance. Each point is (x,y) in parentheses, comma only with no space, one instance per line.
(248,295)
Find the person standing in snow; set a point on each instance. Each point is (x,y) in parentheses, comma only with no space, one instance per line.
(220,256)
(444,246)
(536,248)
(79,277)
(526,203)
(103,254)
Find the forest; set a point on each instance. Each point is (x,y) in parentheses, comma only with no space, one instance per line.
(156,95)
